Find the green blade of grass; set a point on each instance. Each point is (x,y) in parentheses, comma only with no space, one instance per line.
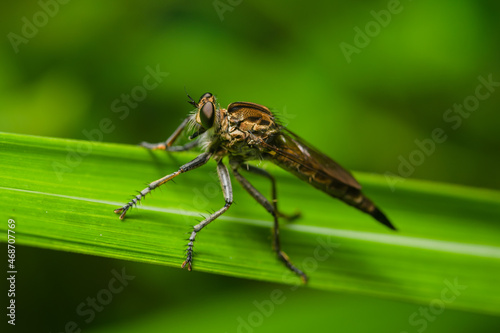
(62,193)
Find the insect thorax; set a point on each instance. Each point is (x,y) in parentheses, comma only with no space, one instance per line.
(241,133)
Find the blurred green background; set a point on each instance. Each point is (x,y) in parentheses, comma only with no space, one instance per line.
(362,82)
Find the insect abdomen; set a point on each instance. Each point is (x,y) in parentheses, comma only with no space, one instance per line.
(333,187)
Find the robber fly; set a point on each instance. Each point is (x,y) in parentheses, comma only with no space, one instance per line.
(247,131)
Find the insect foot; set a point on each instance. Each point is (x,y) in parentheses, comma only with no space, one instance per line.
(284,257)
(122,210)
(289,217)
(188,261)
(189,252)
(136,199)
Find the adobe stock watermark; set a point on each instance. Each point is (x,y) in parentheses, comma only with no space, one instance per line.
(420,319)
(88,309)
(31,26)
(453,118)
(223,6)
(372,29)
(265,308)
(120,106)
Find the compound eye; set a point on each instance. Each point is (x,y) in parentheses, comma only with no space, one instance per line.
(205,95)
(207,115)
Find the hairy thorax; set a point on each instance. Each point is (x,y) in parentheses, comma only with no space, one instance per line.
(241,132)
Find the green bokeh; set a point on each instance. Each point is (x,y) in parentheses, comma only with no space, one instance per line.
(365,110)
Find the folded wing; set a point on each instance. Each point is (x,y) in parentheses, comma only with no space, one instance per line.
(293,154)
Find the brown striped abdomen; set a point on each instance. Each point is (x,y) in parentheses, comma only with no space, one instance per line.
(332,186)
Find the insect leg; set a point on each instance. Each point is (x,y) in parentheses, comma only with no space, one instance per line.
(170,141)
(162,146)
(197,162)
(264,173)
(270,208)
(227,189)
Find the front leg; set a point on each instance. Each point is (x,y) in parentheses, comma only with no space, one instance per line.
(167,145)
(197,162)
(163,146)
(227,189)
